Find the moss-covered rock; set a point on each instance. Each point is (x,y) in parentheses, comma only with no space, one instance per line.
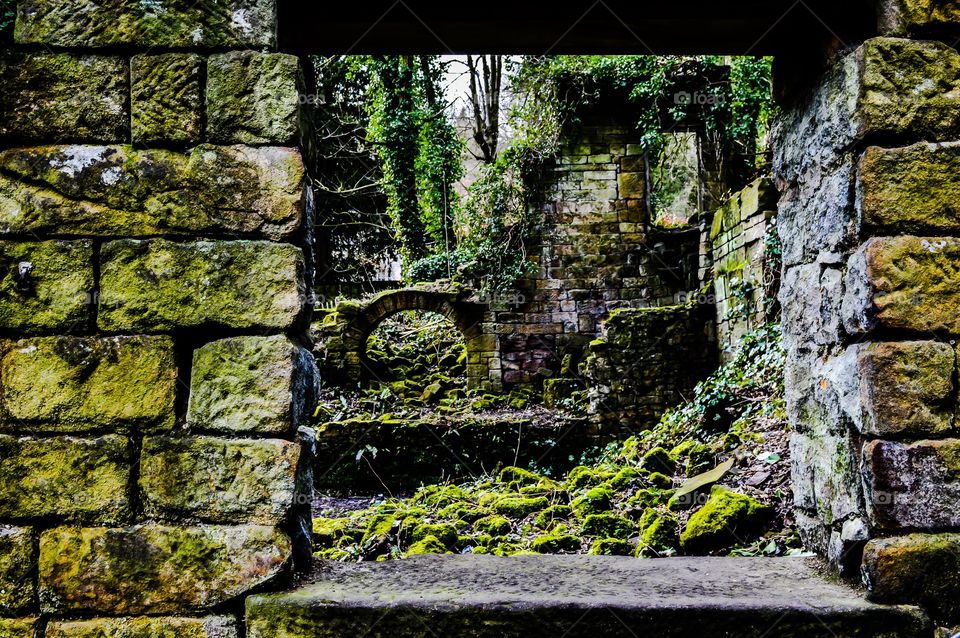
(519,506)
(89,384)
(252,98)
(554,543)
(608,525)
(145,627)
(327,532)
(659,536)
(160,285)
(82,480)
(661,481)
(494,525)
(594,501)
(152,569)
(252,384)
(219,481)
(582,476)
(427,545)
(121,191)
(45,286)
(166,102)
(16,570)
(551,515)
(611,547)
(725,518)
(658,460)
(19,627)
(519,476)
(443,532)
(53,97)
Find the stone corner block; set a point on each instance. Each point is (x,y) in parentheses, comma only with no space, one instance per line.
(83,480)
(159,285)
(17,560)
(19,627)
(919,568)
(220,480)
(111,383)
(252,98)
(145,627)
(252,384)
(906,17)
(154,569)
(166,98)
(46,286)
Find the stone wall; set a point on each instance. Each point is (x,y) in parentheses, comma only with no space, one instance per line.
(866,163)
(745,272)
(153,293)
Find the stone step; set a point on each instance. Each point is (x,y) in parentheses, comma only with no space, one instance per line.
(578,597)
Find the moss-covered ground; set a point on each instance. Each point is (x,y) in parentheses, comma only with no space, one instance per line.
(712,477)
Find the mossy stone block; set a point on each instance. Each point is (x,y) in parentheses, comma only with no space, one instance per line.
(63,97)
(219,481)
(17,561)
(159,285)
(119,191)
(19,627)
(111,383)
(906,17)
(725,518)
(166,101)
(161,23)
(82,480)
(252,98)
(46,286)
(145,627)
(154,569)
(251,384)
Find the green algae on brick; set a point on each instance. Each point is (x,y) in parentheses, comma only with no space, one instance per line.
(725,518)
(251,384)
(218,480)
(145,627)
(154,569)
(110,383)
(158,285)
(82,480)
(46,286)
(16,570)
(166,98)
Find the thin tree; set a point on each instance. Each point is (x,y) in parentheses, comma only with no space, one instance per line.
(486,77)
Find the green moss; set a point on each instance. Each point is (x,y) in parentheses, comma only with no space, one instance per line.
(519,476)
(494,525)
(519,506)
(661,481)
(552,514)
(555,543)
(609,525)
(462,511)
(623,478)
(333,553)
(427,545)
(659,536)
(443,532)
(328,531)
(581,477)
(611,547)
(595,501)
(658,460)
(725,518)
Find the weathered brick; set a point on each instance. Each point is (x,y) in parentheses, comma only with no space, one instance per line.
(166,100)
(251,384)
(17,562)
(145,627)
(252,98)
(219,481)
(154,569)
(121,191)
(916,569)
(158,285)
(84,480)
(174,23)
(88,384)
(45,286)
(910,190)
(63,97)
(631,186)
(913,485)
(904,283)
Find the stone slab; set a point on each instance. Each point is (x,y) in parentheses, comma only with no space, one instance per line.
(578,596)
(166,101)
(161,23)
(154,569)
(145,627)
(159,285)
(17,558)
(107,384)
(119,191)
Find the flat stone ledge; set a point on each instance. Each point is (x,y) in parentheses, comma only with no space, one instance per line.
(576,596)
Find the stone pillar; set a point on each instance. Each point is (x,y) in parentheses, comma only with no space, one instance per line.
(153,299)
(868,172)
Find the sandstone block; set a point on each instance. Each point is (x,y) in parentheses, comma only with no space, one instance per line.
(631,186)
(157,285)
(87,384)
(913,485)
(903,17)
(252,98)
(53,97)
(154,569)
(918,568)
(45,286)
(904,283)
(145,627)
(171,23)
(121,191)
(826,475)
(915,189)
(219,481)
(17,560)
(65,477)
(166,100)
(19,627)
(251,384)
